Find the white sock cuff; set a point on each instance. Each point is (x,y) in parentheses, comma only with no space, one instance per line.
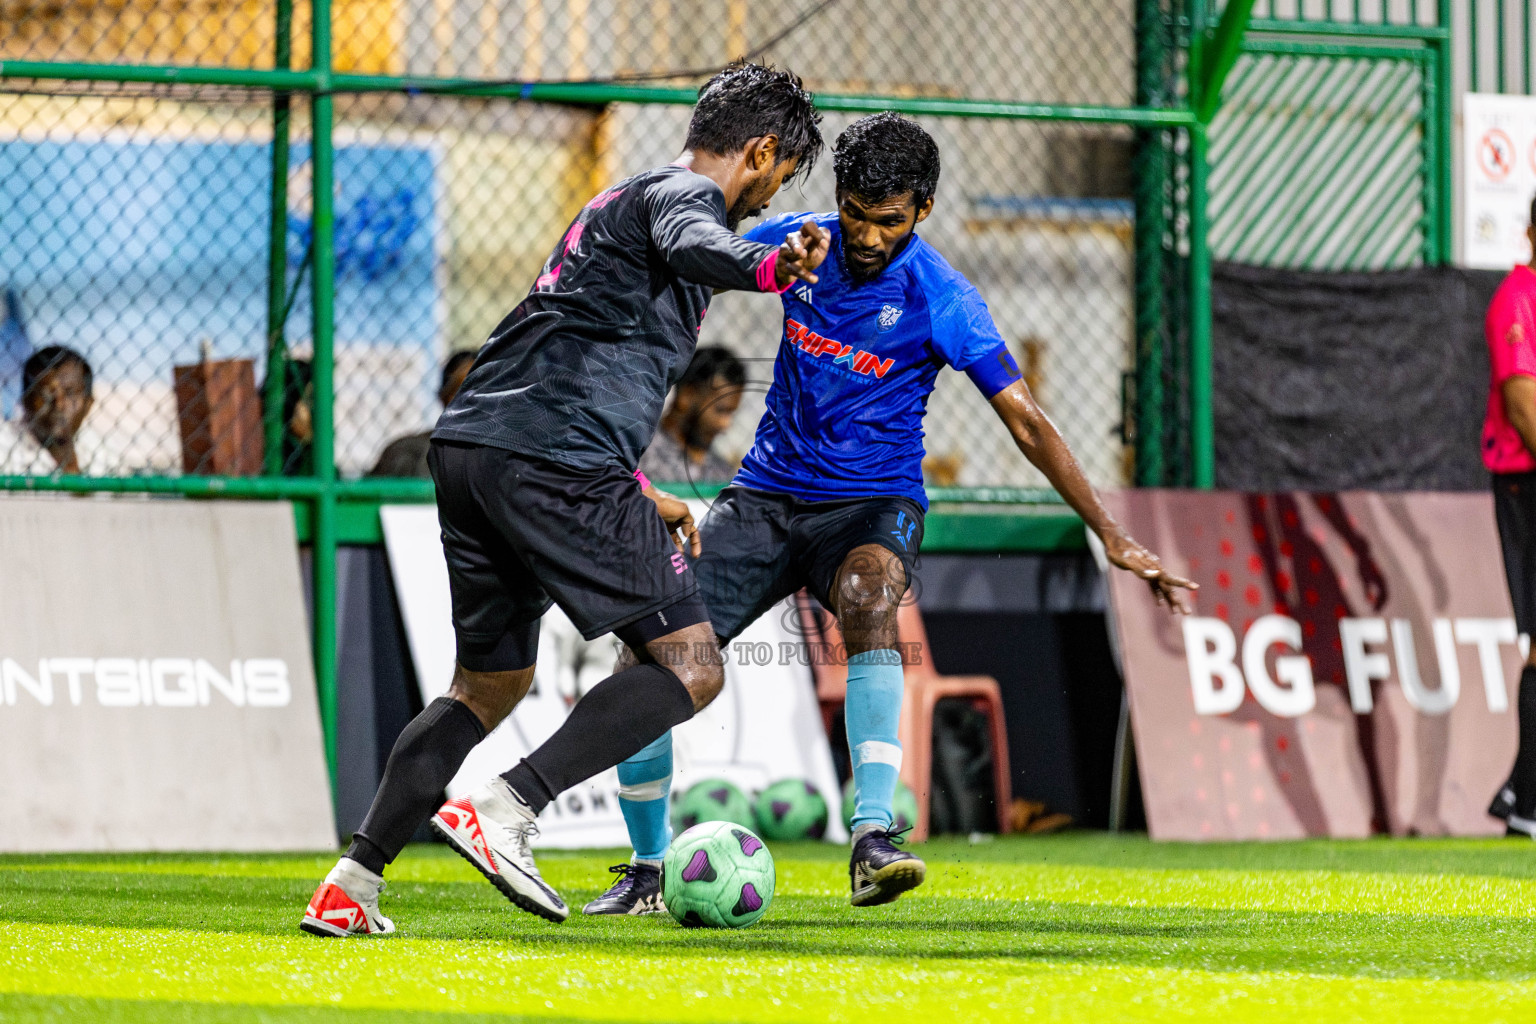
(877,752)
(355,880)
(503,800)
(643,791)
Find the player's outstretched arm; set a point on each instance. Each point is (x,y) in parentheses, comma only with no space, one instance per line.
(1043,445)
(687,234)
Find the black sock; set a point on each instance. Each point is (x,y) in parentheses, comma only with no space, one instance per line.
(618,717)
(423,762)
(1523,778)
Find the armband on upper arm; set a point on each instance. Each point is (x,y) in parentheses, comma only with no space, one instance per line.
(994,372)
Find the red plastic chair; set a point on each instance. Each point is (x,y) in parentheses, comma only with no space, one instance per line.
(924,689)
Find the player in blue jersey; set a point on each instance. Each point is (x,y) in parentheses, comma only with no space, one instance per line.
(830,496)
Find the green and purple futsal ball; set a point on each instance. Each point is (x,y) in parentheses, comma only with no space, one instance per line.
(717,875)
(791,809)
(903,807)
(712,800)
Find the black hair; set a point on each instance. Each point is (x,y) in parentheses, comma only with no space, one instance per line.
(51,357)
(1533,209)
(748,101)
(711,363)
(451,366)
(886,155)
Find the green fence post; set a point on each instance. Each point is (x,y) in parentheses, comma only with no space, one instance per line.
(277,251)
(323,289)
(1150,171)
(1202,428)
(1221,51)
(1444,115)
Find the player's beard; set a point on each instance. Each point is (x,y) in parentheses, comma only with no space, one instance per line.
(863,273)
(745,207)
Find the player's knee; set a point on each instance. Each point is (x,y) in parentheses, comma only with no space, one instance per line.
(869,590)
(490,695)
(703,679)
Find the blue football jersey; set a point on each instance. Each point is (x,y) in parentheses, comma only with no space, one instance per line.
(855,367)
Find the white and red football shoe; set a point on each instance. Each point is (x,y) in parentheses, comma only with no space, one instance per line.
(347,903)
(491,828)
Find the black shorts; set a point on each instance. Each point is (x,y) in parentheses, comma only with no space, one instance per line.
(760,547)
(519,532)
(1514,508)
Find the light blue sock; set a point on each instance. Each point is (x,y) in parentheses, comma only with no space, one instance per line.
(644,783)
(873,713)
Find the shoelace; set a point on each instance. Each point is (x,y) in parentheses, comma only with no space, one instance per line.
(896,837)
(518,836)
(624,871)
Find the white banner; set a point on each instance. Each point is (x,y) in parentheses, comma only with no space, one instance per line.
(1499,176)
(764,726)
(156,690)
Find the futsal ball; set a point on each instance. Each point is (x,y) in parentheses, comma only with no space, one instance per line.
(717,875)
(712,800)
(791,809)
(903,807)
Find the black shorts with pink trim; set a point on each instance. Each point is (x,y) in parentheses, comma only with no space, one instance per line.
(521,533)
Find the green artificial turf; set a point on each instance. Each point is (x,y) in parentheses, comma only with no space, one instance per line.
(1072,927)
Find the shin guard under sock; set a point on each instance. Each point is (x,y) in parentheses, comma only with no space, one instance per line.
(616,718)
(424,760)
(873,713)
(645,780)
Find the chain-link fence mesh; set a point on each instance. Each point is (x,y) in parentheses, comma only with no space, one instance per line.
(134,231)
(137,221)
(1080,52)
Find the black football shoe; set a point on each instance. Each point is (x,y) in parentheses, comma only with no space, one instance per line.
(1504,803)
(638,891)
(879,872)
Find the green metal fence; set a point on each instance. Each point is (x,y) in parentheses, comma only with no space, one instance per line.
(1332,147)
(335,194)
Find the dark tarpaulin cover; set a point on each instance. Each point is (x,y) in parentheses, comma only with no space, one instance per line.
(1330,381)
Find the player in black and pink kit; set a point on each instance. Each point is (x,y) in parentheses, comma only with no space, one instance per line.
(540,501)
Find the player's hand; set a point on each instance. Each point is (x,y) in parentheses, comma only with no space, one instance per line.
(1125,552)
(674,512)
(801,253)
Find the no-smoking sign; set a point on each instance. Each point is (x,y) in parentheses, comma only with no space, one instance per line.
(1496,154)
(1498,179)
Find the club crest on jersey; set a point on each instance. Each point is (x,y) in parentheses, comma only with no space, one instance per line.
(889,314)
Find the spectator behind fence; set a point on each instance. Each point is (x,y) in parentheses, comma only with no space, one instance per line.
(407,456)
(703,403)
(48,436)
(298,417)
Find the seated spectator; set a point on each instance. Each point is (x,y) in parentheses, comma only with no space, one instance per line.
(703,403)
(49,436)
(407,456)
(298,417)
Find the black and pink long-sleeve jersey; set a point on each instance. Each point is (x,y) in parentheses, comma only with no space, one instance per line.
(578,372)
